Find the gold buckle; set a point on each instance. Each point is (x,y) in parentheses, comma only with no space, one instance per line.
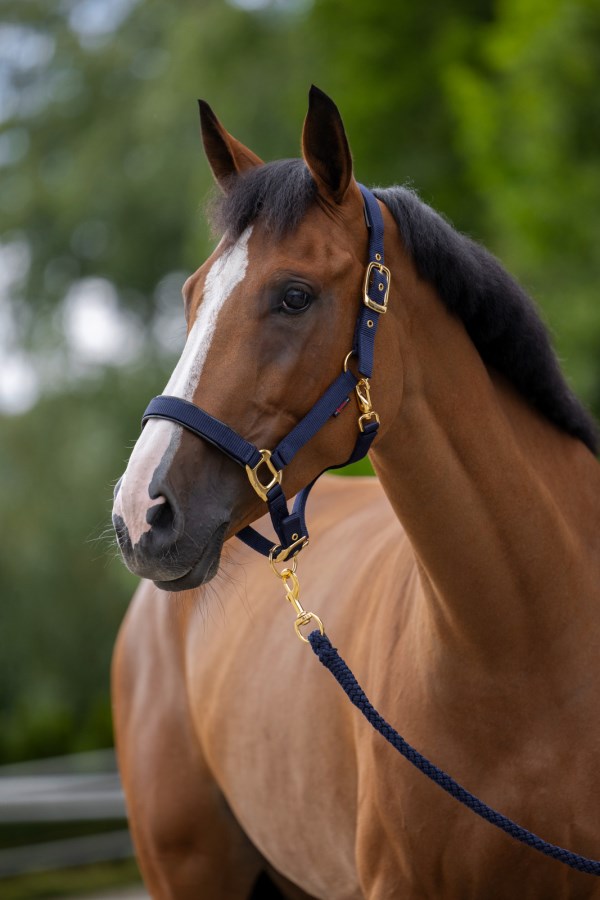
(263,489)
(377,307)
(290,552)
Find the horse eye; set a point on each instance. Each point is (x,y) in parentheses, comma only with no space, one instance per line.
(296,301)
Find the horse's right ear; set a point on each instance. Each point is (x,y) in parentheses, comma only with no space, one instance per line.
(226,155)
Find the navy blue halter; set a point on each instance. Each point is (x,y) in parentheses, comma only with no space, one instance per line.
(264,467)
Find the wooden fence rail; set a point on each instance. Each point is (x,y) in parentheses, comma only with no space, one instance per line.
(80,788)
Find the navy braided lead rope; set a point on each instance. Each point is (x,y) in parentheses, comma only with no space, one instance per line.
(331,659)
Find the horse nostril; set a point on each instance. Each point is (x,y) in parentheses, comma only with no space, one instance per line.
(120,531)
(161,516)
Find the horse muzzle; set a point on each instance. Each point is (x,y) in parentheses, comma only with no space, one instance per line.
(174,553)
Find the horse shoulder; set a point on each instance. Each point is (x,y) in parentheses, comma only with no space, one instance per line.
(182,827)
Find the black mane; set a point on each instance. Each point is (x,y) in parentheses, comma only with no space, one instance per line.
(499,316)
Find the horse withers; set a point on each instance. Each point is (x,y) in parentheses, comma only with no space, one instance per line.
(463,585)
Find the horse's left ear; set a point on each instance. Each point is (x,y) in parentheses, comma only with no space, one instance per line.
(226,155)
(325,146)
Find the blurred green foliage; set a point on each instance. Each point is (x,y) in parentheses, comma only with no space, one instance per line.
(490,109)
(76,882)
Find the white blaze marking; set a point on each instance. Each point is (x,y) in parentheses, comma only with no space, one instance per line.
(133,500)
(225,274)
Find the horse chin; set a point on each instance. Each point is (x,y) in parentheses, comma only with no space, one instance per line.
(173,572)
(204,569)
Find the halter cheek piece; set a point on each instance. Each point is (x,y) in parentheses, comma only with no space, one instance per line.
(265,467)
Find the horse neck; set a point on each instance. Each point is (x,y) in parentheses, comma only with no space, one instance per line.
(501,507)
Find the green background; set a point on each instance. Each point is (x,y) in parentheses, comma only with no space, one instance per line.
(490,110)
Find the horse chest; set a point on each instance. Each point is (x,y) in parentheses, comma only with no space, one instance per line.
(416,842)
(334,809)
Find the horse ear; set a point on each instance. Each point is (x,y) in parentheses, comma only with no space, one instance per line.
(226,155)
(325,146)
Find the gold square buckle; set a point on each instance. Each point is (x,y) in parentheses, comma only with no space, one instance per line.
(263,489)
(377,307)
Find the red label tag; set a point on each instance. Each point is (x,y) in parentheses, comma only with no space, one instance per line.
(341,407)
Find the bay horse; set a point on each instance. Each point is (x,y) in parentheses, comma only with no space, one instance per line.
(462,584)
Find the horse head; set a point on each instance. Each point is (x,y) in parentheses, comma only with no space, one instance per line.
(270,319)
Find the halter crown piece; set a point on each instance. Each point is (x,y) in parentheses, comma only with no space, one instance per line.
(265,467)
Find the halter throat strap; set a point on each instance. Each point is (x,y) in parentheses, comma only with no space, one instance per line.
(265,467)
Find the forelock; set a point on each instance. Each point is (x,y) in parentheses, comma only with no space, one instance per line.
(278,193)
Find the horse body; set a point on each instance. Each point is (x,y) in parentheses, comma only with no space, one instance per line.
(463,588)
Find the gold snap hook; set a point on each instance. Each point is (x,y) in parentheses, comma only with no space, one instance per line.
(291,586)
(363,393)
(301,621)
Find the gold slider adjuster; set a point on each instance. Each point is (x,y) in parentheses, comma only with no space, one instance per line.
(383,270)
(252,472)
